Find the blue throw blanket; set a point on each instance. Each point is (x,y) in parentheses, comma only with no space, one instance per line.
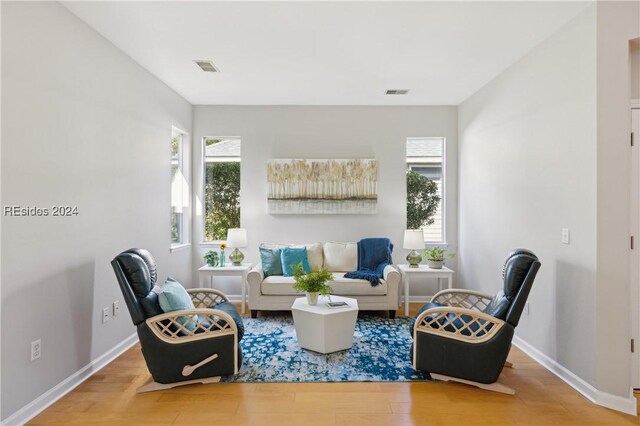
(374,254)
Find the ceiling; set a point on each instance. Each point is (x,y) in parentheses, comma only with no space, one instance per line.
(326,53)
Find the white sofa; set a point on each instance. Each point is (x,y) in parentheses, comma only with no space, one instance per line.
(276,293)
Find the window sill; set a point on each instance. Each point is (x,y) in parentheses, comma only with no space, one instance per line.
(432,244)
(211,243)
(178,247)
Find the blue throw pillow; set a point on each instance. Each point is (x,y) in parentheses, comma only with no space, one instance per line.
(291,256)
(174,297)
(271,263)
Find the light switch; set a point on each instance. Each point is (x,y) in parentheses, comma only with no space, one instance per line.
(565,235)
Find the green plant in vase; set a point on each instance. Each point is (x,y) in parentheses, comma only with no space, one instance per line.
(313,283)
(435,257)
(212,258)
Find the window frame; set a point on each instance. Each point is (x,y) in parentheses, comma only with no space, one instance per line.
(443,187)
(185,240)
(203,222)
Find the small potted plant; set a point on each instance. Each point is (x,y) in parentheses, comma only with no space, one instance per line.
(212,258)
(435,257)
(313,283)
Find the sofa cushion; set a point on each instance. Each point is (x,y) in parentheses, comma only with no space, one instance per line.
(341,257)
(271,262)
(278,285)
(283,286)
(314,254)
(349,287)
(292,256)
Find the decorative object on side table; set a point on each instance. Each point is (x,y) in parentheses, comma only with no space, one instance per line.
(313,283)
(435,257)
(212,258)
(222,247)
(236,238)
(413,240)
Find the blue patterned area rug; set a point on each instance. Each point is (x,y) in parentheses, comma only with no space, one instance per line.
(380,353)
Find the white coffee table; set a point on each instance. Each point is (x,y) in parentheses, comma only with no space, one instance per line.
(323,329)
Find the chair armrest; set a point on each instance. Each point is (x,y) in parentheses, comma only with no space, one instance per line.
(205,297)
(255,275)
(462,298)
(462,324)
(391,275)
(211,323)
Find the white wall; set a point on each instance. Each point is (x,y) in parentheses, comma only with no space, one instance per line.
(326,132)
(527,162)
(82,125)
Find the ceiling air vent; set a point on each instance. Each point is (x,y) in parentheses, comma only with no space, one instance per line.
(396,92)
(207,66)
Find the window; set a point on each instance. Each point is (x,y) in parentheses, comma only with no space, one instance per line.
(179,190)
(221,186)
(425,189)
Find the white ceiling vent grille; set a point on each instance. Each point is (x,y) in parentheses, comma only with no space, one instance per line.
(207,66)
(396,92)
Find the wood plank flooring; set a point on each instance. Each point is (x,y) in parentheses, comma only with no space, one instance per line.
(109,398)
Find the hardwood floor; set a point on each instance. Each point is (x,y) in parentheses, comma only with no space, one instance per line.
(109,398)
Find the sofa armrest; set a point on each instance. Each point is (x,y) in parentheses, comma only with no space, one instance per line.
(391,275)
(255,276)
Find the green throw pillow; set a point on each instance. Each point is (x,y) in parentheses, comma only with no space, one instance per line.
(174,297)
(291,256)
(271,263)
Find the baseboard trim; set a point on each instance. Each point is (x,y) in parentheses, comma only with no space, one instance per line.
(614,402)
(39,404)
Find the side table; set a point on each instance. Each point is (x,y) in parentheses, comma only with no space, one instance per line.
(228,271)
(425,272)
(323,329)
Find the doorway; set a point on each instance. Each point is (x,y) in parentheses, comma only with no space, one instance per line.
(635,254)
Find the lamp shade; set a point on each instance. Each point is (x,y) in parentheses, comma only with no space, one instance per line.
(413,239)
(237,237)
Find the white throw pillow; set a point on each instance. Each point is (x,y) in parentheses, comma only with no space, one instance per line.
(314,254)
(341,257)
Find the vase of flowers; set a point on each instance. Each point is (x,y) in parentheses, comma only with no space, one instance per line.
(222,247)
(313,283)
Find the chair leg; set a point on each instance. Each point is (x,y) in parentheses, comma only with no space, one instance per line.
(151,386)
(494,387)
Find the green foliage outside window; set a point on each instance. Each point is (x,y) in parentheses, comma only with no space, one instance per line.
(422,200)
(222,199)
(175,216)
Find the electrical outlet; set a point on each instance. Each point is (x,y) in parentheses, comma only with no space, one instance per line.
(106,315)
(565,235)
(116,308)
(526,308)
(36,349)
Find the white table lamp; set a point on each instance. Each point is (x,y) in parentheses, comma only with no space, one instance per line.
(236,237)
(413,240)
